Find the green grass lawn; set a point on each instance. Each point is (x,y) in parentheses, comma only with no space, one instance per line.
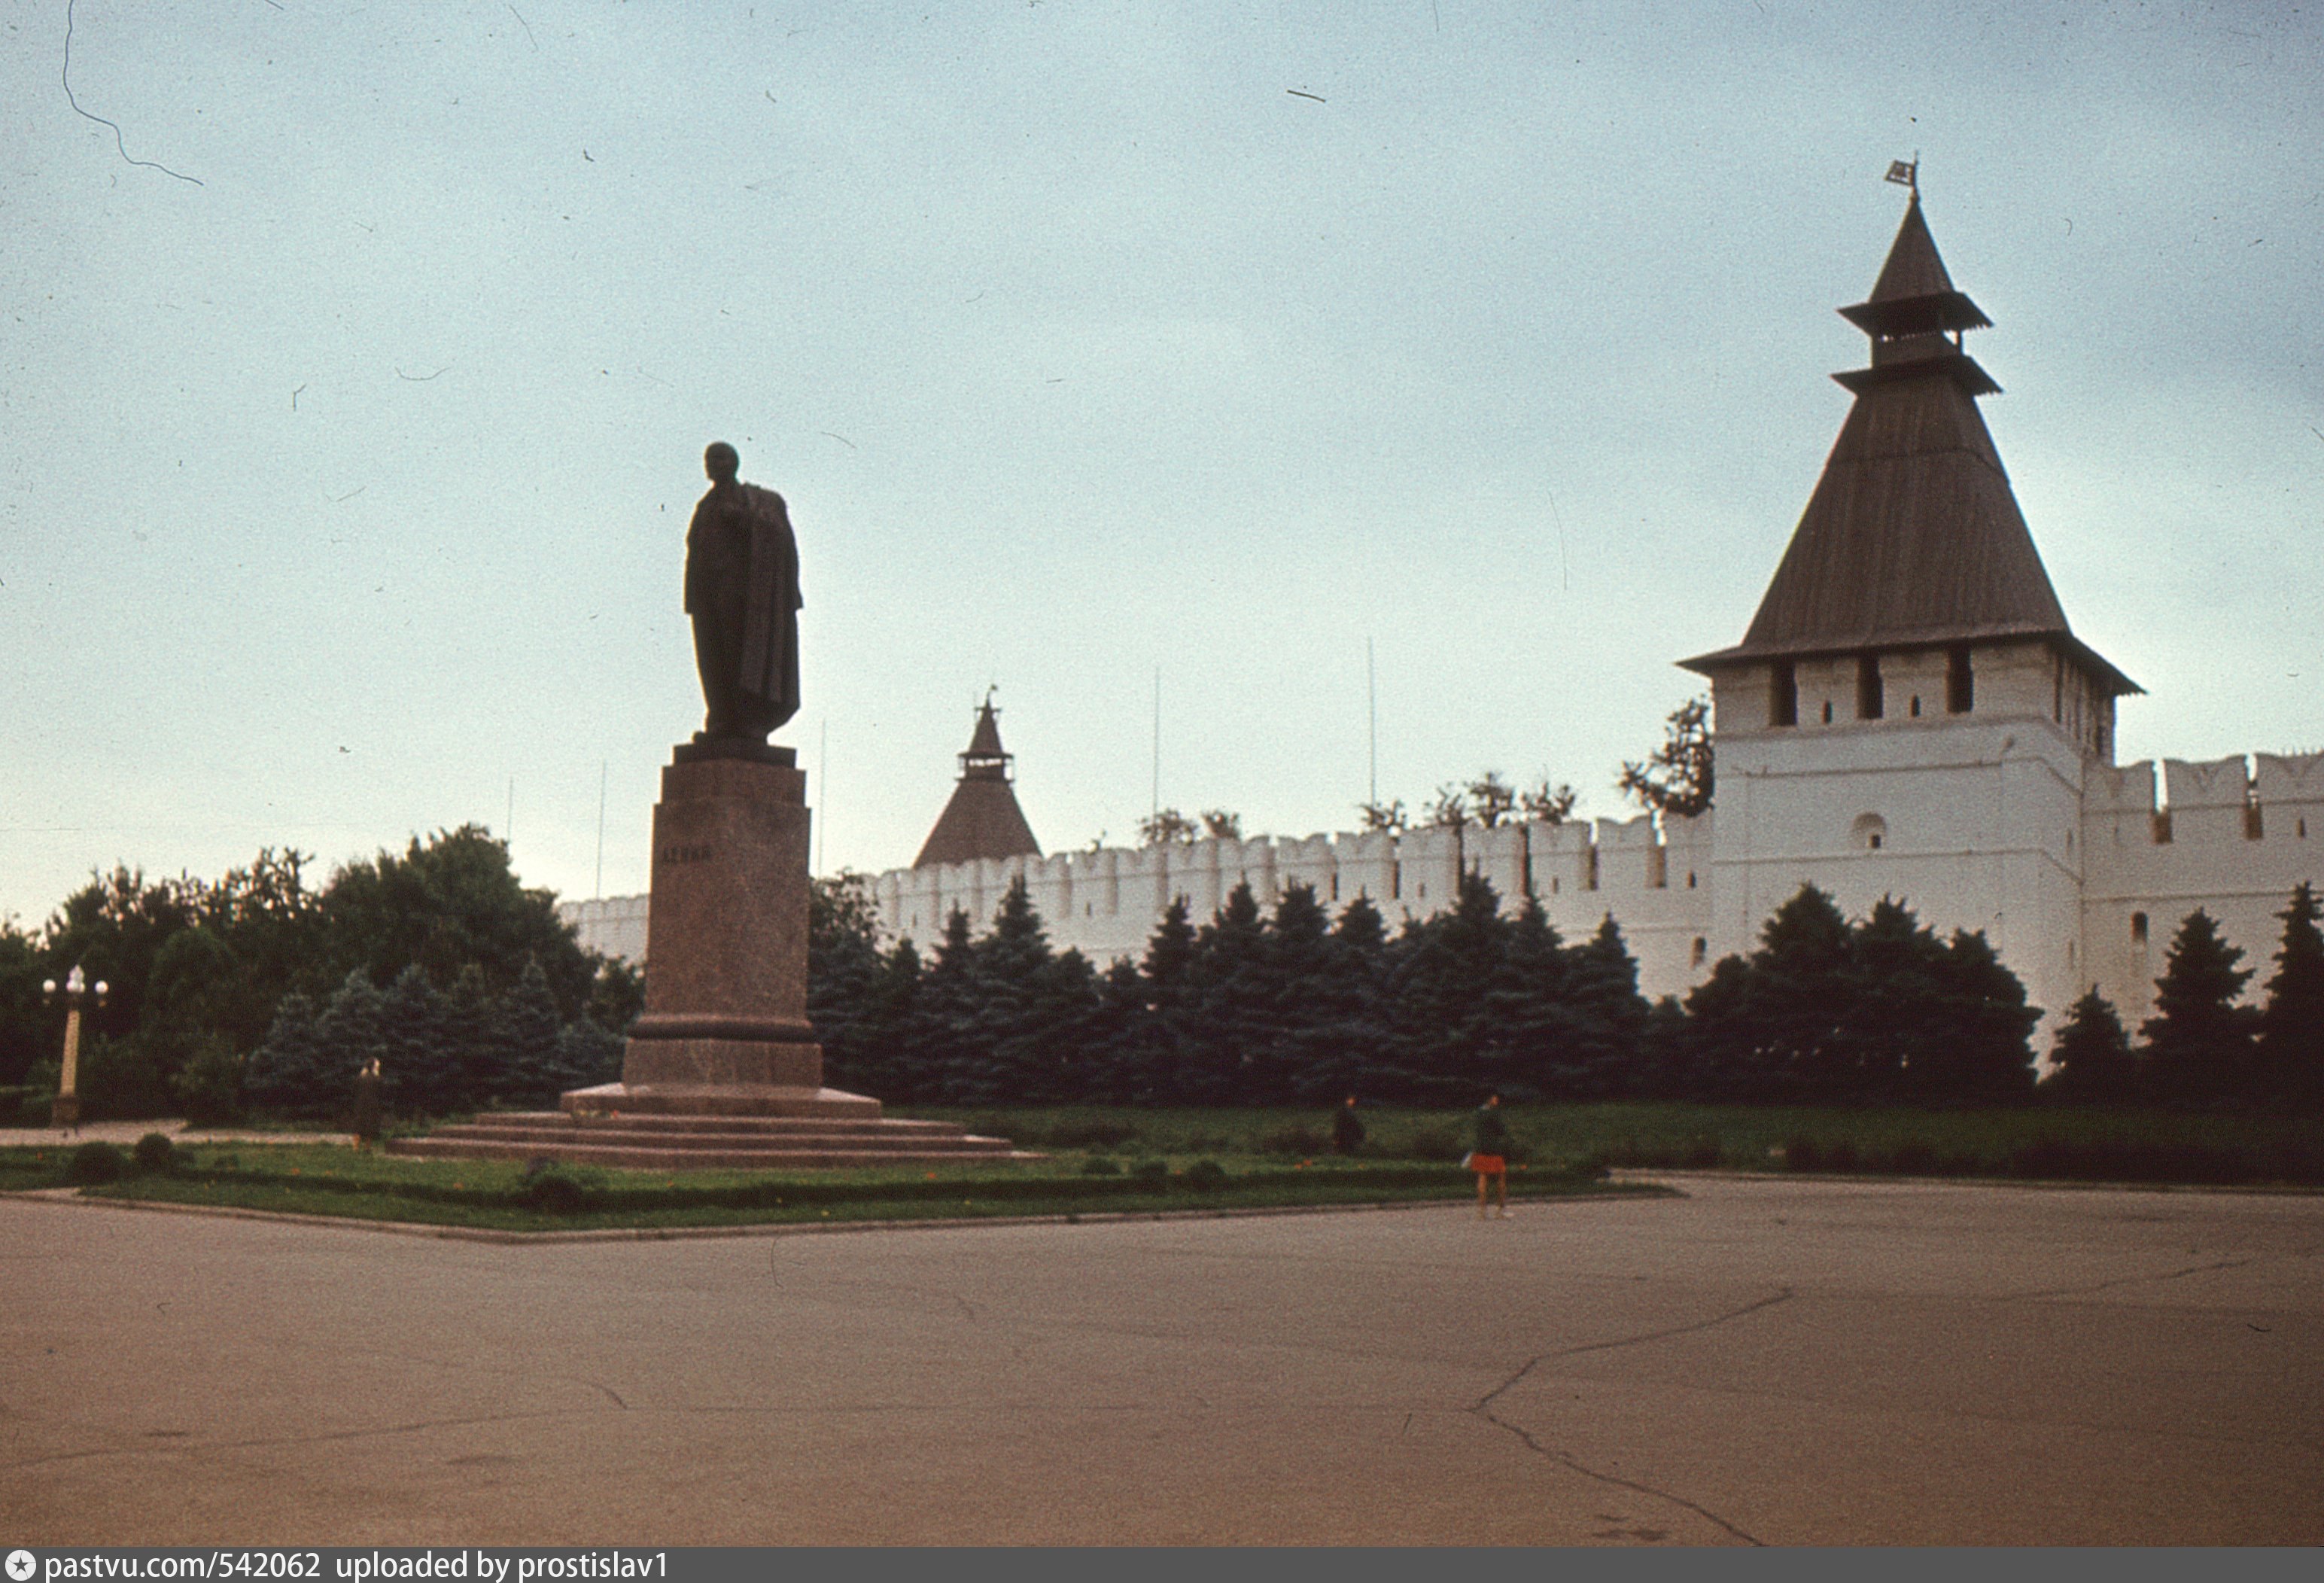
(1101,1160)
(2042,1142)
(362,1184)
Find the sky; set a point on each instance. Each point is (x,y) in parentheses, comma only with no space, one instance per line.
(359,361)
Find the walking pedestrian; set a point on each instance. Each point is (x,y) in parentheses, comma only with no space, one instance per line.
(1491,1157)
(1347,1130)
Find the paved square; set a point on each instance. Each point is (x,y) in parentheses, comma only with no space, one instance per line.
(1781,1360)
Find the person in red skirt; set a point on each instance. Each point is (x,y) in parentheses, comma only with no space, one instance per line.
(1491,1157)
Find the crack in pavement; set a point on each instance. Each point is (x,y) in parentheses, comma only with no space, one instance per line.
(1484,1410)
(2129,1281)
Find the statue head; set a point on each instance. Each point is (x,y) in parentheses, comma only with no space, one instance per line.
(721,462)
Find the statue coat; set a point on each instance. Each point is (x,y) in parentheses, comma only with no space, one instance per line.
(742,590)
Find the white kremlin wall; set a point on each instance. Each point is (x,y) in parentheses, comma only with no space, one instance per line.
(2098,905)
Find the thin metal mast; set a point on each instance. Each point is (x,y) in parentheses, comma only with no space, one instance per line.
(1371,716)
(1155,812)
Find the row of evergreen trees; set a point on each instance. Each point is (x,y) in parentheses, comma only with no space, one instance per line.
(438,1052)
(1297,1007)
(2202,1045)
(1244,1010)
(1300,1007)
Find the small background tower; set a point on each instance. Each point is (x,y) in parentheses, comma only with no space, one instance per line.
(982,818)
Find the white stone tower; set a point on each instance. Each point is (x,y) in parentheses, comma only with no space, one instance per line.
(1909,714)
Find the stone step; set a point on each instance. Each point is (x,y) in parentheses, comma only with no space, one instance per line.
(668,1138)
(769,1126)
(647,1156)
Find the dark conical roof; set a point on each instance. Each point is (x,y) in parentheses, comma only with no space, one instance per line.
(982,818)
(1913,268)
(1914,295)
(1913,537)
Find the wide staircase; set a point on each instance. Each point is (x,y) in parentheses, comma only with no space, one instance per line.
(706,1143)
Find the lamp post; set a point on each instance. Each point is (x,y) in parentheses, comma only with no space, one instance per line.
(66,1111)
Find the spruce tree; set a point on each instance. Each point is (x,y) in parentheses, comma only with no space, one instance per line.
(1537,1053)
(2091,1059)
(286,1073)
(472,1065)
(1227,1004)
(1609,1015)
(588,1054)
(1301,985)
(2199,1041)
(950,1055)
(1355,1041)
(1775,1028)
(522,1033)
(1895,1026)
(2291,1051)
(844,967)
(1976,1049)
(891,1060)
(419,1062)
(1015,1008)
(1441,987)
(353,1034)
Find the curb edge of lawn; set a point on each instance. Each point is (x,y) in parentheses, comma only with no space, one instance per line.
(73,1196)
(1653,1173)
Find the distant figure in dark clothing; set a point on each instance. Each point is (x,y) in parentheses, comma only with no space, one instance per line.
(1347,1131)
(364,1121)
(1491,1157)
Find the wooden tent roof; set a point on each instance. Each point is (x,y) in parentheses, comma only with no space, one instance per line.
(982,818)
(1913,537)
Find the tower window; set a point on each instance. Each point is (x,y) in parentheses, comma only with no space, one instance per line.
(1783,695)
(1961,682)
(1827,711)
(1695,953)
(1870,833)
(2138,929)
(1868,687)
(1917,706)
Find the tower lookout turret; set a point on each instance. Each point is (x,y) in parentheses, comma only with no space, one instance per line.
(1912,554)
(982,818)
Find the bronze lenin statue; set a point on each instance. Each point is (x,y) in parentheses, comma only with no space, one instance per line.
(743,591)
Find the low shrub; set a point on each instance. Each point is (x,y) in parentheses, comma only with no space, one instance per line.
(1203,1176)
(1802,1154)
(1913,1157)
(1840,1156)
(557,1190)
(1157,1171)
(94,1164)
(1296,1139)
(155,1155)
(1099,1165)
(1703,1152)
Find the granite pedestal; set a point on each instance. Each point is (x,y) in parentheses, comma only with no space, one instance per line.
(723,1069)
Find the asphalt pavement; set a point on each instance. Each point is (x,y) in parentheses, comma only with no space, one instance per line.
(1761,1361)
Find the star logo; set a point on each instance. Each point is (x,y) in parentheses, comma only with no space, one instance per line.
(21,1565)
